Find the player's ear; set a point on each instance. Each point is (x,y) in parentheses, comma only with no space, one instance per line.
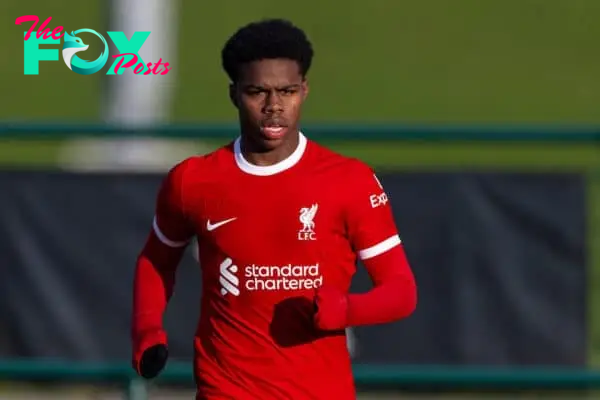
(233,94)
(305,88)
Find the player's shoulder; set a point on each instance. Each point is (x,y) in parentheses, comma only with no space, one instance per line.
(338,163)
(198,166)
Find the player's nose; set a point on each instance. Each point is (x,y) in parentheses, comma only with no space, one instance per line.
(273,104)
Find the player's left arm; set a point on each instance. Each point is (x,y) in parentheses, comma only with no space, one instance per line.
(373,234)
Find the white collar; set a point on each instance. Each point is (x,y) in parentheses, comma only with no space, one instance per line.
(281,166)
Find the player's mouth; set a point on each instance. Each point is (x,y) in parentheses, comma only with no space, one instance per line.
(273,131)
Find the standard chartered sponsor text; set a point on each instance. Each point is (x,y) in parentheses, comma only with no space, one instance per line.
(282,277)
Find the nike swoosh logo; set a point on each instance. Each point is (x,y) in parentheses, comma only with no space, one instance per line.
(212,227)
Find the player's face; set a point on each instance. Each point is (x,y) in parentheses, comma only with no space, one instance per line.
(269,97)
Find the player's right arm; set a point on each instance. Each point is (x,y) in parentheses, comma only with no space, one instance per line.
(155,274)
(372,233)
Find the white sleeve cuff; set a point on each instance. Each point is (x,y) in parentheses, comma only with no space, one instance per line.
(379,248)
(165,240)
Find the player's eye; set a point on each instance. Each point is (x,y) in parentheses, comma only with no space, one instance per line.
(288,91)
(254,91)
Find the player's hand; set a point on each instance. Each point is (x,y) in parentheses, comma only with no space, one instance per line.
(331,308)
(153,361)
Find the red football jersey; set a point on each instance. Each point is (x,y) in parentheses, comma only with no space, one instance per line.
(267,238)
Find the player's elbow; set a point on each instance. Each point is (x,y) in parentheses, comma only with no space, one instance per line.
(406,302)
(411,300)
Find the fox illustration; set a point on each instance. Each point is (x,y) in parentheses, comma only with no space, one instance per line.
(72,45)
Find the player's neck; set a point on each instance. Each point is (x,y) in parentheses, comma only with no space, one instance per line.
(264,158)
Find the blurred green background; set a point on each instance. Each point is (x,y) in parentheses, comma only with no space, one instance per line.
(433,61)
(522,62)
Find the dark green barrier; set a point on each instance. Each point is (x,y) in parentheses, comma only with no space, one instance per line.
(429,378)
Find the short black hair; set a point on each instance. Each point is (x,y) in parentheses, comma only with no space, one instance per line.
(266,39)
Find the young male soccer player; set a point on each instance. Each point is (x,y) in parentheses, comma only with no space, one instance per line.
(280,222)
